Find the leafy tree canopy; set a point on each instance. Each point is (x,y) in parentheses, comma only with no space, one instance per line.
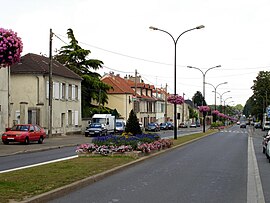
(198,99)
(75,58)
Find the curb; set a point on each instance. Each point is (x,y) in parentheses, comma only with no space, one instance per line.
(59,192)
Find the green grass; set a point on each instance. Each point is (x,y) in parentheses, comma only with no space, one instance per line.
(21,184)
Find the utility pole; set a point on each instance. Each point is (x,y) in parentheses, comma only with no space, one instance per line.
(183,112)
(135,95)
(166,104)
(50,85)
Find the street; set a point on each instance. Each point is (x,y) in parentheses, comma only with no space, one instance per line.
(213,169)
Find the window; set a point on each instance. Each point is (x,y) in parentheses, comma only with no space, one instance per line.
(73,92)
(56,89)
(47,90)
(63,91)
(69,91)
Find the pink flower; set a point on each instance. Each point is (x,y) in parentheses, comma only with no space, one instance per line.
(204,108)
(175,99)
(10,47)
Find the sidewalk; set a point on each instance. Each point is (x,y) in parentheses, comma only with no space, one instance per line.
(49,143)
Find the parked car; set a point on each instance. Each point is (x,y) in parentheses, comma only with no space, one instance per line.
(163,126)
(120,126)
(183,125)
(266,126)
(265,141)
(153,127)
(193,125)
(238,122)
(257,125)
(141,126)
(243,125)
(170,125)
(24,133)
(95,129)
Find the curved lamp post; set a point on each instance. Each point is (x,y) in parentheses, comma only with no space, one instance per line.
(175,42)
(220,96)
(204,73)
(215,88)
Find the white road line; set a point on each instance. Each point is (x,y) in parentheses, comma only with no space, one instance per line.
(254,185)
(39,164)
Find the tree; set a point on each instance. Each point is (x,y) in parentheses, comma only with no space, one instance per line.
(133,125)
(198,99)
(75,58)
(260,99)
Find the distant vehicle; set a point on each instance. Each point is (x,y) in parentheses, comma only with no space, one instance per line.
(257,125)
(95,129)
(170,125)
(238,122)
(183,125)
(193,125)
(163,126)
(141,126)
(24,133)
(243,125)
(106,119)
(198,124)
(153,127)
(266,125)
(120,126)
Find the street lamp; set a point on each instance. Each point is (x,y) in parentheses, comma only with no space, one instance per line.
(204,73)
(175,42)
(220,96)
(215,88)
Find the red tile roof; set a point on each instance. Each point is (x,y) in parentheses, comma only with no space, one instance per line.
(120,85)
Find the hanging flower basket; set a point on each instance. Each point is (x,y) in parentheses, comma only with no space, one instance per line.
(10,47)
(204,108)
(175,99)
(215,112)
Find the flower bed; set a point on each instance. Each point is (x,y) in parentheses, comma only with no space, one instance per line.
(133,145)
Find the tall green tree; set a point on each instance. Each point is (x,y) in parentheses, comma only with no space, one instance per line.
(198,99)
(76,59)
(261,93)
(133,125)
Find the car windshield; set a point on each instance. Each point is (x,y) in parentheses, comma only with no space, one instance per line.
(119,124)
(163,124)
(151,124)
(20,128)
(95,125)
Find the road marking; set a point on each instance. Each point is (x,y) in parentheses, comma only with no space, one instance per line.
(254,185)
(39,164)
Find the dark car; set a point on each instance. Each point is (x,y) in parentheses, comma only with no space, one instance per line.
(95,129)
(170,125)
(153,127)
(24,133)
(163,126)
(243,125)
(183,125)
(257,125)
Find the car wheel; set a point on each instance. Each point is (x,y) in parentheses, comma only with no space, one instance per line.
(26,141)
(40,141)
(5,142)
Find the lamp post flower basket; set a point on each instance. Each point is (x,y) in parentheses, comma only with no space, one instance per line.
(175,99)
(204,109)
(10,47)
(215,112)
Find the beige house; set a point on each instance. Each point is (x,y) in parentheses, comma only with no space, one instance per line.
(4,89)
(29,95)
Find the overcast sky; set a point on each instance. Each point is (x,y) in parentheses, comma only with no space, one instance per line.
(236,36)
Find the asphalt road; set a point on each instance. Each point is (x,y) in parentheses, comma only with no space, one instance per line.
(213,169)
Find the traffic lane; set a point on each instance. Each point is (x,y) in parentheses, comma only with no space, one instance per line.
(25,159)
(263,163)
(213,169)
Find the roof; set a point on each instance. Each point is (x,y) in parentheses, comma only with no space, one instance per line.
(120,85)
(37,64)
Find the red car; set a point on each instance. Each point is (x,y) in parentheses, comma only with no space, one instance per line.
(24,133)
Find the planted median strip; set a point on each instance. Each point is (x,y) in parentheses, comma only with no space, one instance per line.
(26,183)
